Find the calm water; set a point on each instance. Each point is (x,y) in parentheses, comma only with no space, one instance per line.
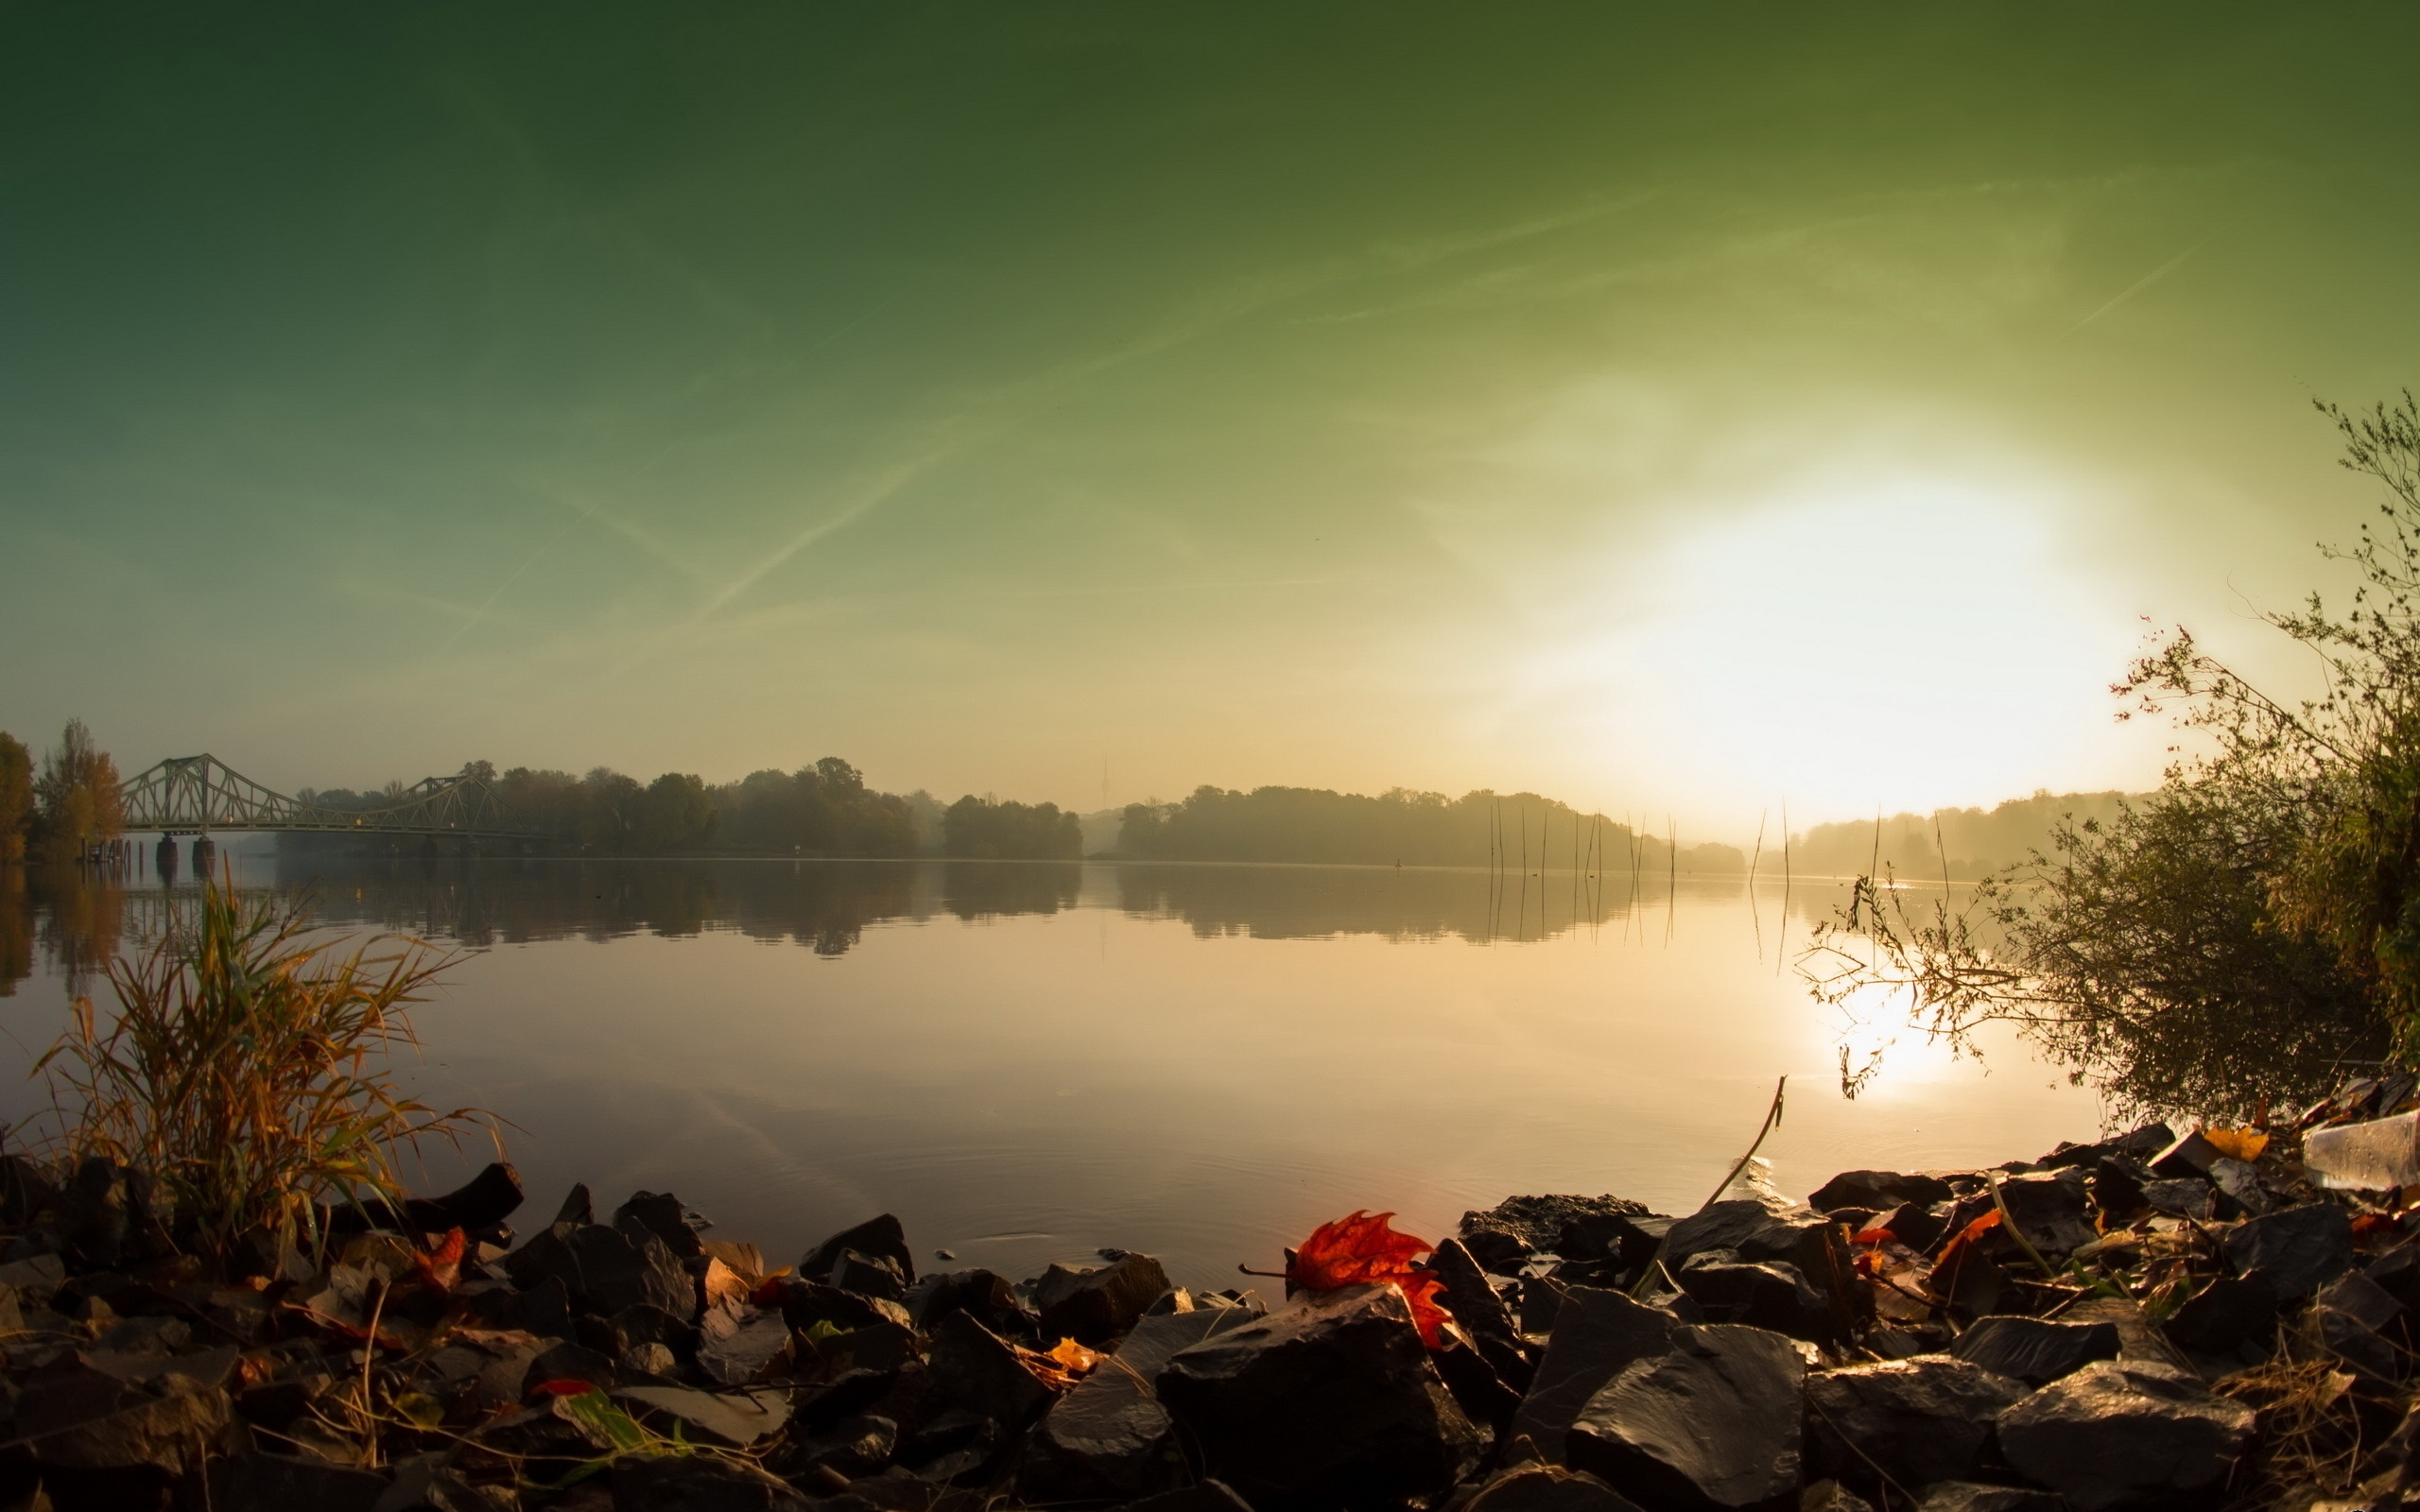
(1026,1061)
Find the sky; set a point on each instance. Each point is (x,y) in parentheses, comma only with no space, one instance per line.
(1681,410)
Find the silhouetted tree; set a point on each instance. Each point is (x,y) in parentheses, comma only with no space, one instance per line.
(80,806)
(977,828)
(16,798)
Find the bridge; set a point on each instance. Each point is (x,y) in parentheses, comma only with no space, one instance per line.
(202,794)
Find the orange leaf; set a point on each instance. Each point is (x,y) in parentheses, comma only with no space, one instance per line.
(442,1267)
(2241,1143)
(1968,1237)
(1359,1249)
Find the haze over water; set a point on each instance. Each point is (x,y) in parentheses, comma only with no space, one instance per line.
(1026,1061)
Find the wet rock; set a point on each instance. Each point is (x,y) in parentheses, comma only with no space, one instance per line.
(2116,1434)
(84,1419)
(1757,1232)
(738,1418)
(1627,1241)
(980,1371)
(1713,1424)
(475,1207)
(2117,1193)
(1547,1488)
(2184,1198)
(741,1346)
(2356,1295)
(2239,1189)
(1496,1251)
(880,1346)
(1971,1496)
(2397,1272)
(2188,1155)
(1210,1496)
(570,1361)
(1110,1438)
(1539,1302)
(1477,1388)
(1879,1191)
(881,1235)
(1831,1496)
(807,1303)
(2053,1210)
(1330,1400)
(1914,1421)
(1482,1312)
(693,1483)
(257,1482)
(2034,1350)
(1538,1222)
(2331,1334)
(2299,1250)
(604,1270)
(1094,1306)
(869,1275)
(992,1297)
(1765,1295)
(660,1214)
(2228,1325)
(1597,1335)
(1915,1224)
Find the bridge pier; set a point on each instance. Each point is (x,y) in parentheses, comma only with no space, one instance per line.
(205,856)
(163,860)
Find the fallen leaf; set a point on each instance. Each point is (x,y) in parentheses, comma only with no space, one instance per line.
(2244,1144)
(442,1267)
(1361,1249)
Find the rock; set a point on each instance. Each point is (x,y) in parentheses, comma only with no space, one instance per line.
(660,1214)
(1758,1232)
(868,1276)
(2117,1193)
(1210,1496)
(2238,1187)
(1879,1191)
(2034,1350)
(1540,1301)
(2184,1198)
(736,1347)
(1109,1438)
(2115,1433)
(738,1418)
(980,1371)
(1970,1496)
(1765,1295)
(1914,1421)
(2228,1325)
(2328,1332)
(694,1483)
(992,1297)
(1496,1251)
(1329,1400)
(1831,1496)
(2139,1337)
(2299,1249)
(1713,1424)
(1538,1222)
(570,1361)
(2053,1210)
(1547,1488)
(1915,1224)
(1482,1312)
(84,1419)
(2371,1156)
(2188,1155)
(2356,1295)
(2397,1272)
(881,1235)
(807,1303)
(1094,1306)
(257,1482)
(605,1270)
(1597,1335)
(1625,1240)
(881,1347)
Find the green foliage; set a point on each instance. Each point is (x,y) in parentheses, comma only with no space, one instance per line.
(77,793)
(2254,927)
(822,810)
(16,797)
(246,1070)
(979,828)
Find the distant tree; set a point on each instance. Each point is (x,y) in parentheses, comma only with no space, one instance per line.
(982,830)
(610,810)
(80,806)
(16,797)
(674,813)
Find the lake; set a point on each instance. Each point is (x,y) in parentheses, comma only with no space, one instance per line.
(1026,1061)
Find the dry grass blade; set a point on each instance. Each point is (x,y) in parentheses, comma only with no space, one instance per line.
(248,1070)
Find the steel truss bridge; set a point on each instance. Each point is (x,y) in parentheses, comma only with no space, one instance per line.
(202,794)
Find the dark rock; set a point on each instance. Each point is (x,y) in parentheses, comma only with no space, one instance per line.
(1210,1496)
(1628,1240)
(94,1212)
(2188,1155)
(2139,1337)
(854,1447)
(1538,1222)
(1109,1438)
(84,1419)
(2228,1325)
(992,1297)
(605,1270)
(1713,1424)
(1482,1312)
(256,1482)
(1547,1488)
(2115,1433)
(2299,1249)
(1831,1496)
(635,1326)
(26,1191)
(878,1347)
(1328,1401)
(577,1208)
(693,1483)
(881,1235)
(1971,1496)
(2184,1198)
(857,1390)
(1880,1190)
(1915,1224)
(736,1347)
(660,1214)
(477,1205)
(2397,1272)
(1496,1251)
(1094,1306)
(1477,1388)
(739,1418)
(807,1303)
(2032,1349)
(1914,1421)
(868,1276)
(1758,1232)
(2117,1193)
(1540,1303)
(2360,1296)
(1765,1295)
(2053,1210)
(570,1361)
(1597,1336)
(980,1371)
(2328,1333)
(2241,1194)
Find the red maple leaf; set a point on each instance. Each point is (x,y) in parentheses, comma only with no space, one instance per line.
(1360,1250)
(442,1267)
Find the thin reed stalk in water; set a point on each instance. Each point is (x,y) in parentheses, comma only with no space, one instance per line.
(246,1071)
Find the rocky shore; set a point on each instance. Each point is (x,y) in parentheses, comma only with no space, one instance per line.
(2148,1321)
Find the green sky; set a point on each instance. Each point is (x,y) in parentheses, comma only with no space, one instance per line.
(1673,408)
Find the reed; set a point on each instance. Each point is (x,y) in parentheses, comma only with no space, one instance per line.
(248,1070)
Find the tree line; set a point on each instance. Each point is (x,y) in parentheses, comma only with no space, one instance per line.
(65,810)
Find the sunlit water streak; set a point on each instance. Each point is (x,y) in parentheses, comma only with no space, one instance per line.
(1028,1061)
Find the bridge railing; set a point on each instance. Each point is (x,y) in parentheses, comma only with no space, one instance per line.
(198,795)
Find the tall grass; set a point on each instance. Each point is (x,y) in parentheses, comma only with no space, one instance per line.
(248,1070)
